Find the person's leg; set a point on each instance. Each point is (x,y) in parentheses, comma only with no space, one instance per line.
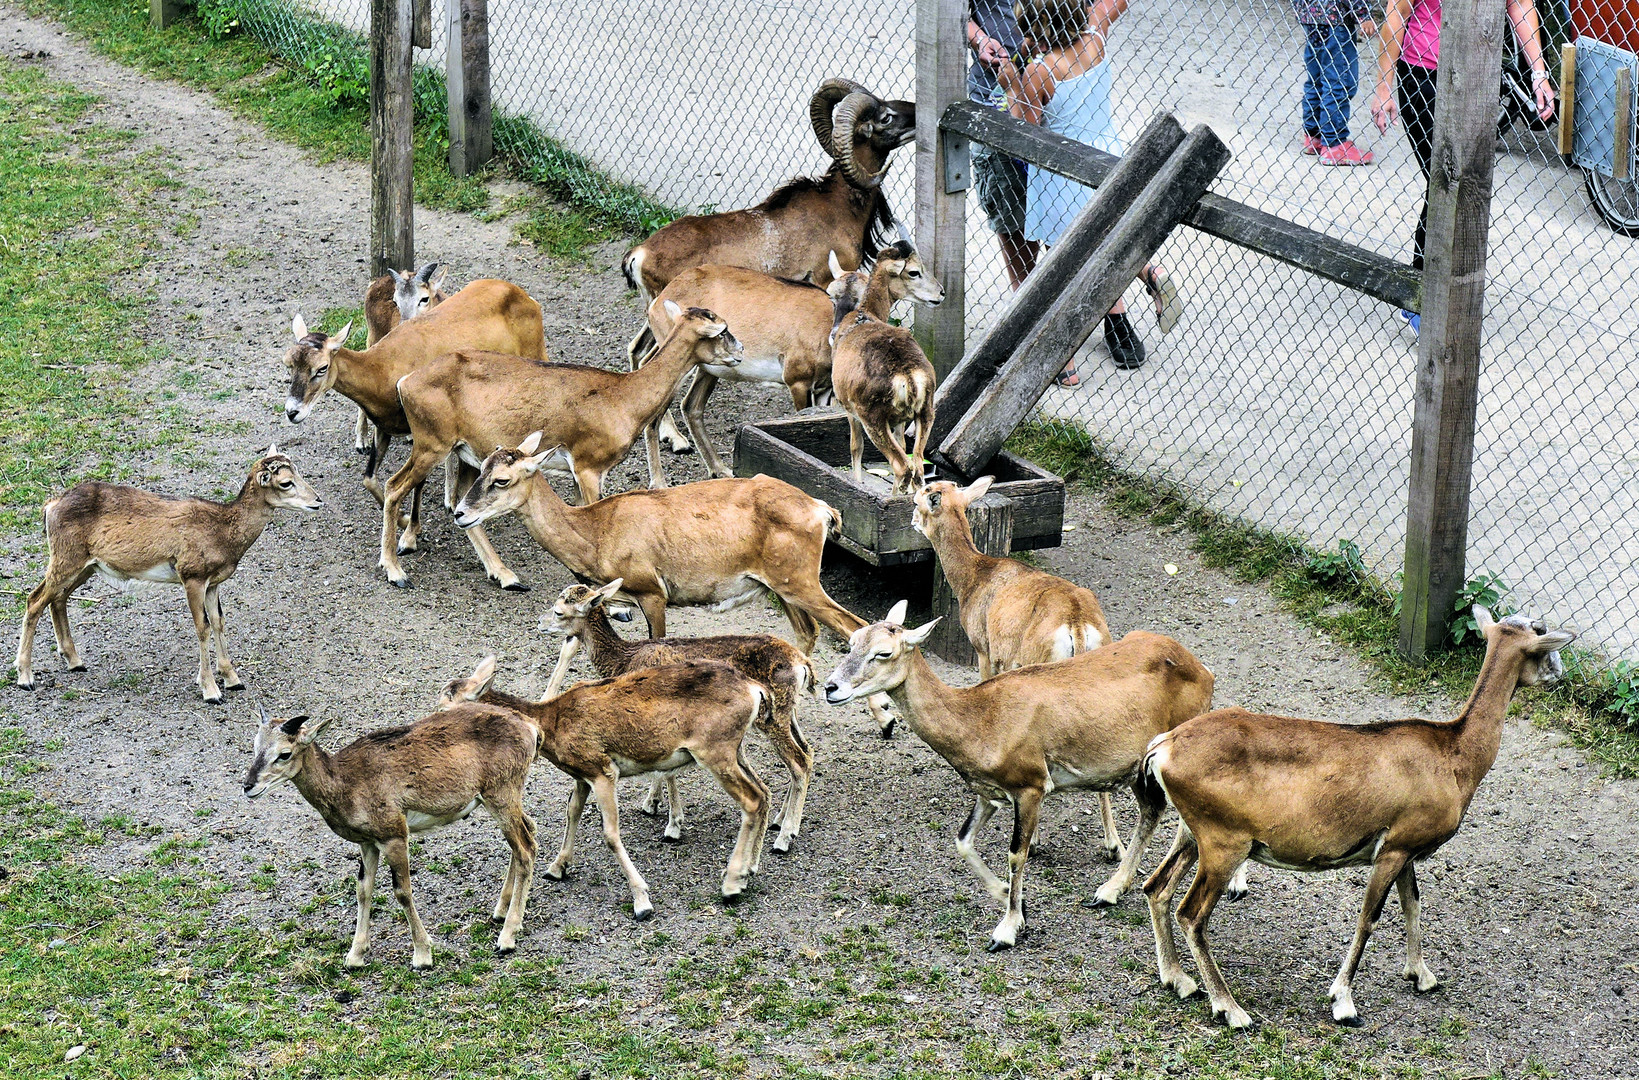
(1415,89)
(1312,81)
(1018,256)
(1340,76)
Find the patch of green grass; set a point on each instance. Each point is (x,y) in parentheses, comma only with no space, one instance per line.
(1332,592)
(312,91)
(306,81)
(78,221)
(331,320)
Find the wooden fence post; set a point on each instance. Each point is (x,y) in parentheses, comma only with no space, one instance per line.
(1448,353)
(941,216)
(991,519)
(392,123)
(162,13)
(466,69)
(421,25)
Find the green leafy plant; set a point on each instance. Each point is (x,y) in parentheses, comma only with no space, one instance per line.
(343,74)
(1338,567)
(220,18)
(1618,694)
(1487,590)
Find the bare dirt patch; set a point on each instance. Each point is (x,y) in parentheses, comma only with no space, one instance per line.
(1529,909)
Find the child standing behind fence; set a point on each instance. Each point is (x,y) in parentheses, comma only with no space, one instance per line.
(1067,91)
(1333,65)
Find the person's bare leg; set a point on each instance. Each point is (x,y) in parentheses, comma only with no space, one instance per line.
(1018,256)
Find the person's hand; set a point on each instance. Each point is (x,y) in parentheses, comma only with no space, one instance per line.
(1367,29)
(991,53)
(1385,111)
(1544,92)
(1008,75)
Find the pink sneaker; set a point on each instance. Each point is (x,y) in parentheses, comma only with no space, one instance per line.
(1345,153)
(1312,145)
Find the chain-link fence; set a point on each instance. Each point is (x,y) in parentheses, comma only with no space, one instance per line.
(1286,400)
(1278,397)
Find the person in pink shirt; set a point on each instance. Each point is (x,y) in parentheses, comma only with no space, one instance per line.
(1408,57)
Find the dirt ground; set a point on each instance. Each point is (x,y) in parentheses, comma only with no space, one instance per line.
(1529,909)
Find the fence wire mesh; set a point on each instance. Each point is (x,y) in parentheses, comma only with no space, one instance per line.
(1278,397)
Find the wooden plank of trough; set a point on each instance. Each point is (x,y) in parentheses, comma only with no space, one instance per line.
(1097,284)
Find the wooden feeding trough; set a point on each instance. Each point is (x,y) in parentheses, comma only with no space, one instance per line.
(994,387)
(811,451)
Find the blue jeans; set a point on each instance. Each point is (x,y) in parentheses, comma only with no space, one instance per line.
(1333,64)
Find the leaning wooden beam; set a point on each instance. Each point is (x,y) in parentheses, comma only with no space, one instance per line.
(1085,299)
(1324,256)
(1145,157)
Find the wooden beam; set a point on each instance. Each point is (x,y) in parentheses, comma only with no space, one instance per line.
(162,13)
(1567,99)
(1087,297)
(958,390)
(1448,353)
(1324,256)
(466,71)
(991,519)
(941,215)
(392,122)
(421,26)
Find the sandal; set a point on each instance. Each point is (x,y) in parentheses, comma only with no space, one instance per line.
(1069,376)
(1168,308)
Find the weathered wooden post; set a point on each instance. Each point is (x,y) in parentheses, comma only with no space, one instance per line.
(1448,353)
(942,175)
(162,13)
(392,128)
(421,25)
(466,71)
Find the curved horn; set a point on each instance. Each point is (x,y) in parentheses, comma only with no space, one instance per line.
(823,103)
(842,137)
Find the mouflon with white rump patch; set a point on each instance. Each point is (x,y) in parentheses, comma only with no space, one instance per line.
(1015,615)
(1026,733)
(1310,795)
(130,535)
